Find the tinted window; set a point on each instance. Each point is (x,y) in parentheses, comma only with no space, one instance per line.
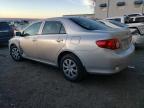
(137,20)
(89,24)
(131,20)
(140,19)
(53,27)
(33,29)
(127,19)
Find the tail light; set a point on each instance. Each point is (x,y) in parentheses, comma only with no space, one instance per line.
(109,44)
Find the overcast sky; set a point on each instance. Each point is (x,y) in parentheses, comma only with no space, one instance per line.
(42,8)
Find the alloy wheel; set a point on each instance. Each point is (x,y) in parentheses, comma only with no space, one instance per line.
(15,53)
(70,68)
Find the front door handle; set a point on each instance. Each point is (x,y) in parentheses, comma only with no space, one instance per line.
(34,40)
(60,40)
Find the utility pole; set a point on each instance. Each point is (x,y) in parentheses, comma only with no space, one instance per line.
(93,6)
(143,7)
(108,8)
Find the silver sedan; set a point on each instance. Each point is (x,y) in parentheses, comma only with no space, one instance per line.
(76,45)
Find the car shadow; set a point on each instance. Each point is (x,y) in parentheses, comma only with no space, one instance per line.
(90,80)
(114,79)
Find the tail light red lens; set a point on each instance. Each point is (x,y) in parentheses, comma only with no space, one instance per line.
(109,44)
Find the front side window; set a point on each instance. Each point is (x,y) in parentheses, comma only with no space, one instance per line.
(53,27)
(33,29)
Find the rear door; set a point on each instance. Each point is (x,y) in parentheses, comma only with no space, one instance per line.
(51,41)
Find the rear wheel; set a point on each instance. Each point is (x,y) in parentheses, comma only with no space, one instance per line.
(15,53)
(72,68)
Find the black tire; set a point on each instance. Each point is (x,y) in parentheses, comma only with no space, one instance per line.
(75,73)
(15,53)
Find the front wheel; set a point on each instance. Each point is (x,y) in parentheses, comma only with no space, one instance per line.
(15,53)
(72,68)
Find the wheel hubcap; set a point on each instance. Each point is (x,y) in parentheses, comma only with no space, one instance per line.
(70,68)
(15,53)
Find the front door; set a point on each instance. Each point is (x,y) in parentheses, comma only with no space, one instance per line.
(29,39)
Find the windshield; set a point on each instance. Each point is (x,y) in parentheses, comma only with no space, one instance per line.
(89,24)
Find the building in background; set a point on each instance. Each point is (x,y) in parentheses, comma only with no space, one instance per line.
(112,8)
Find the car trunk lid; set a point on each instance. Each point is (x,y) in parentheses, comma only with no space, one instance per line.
(123,35)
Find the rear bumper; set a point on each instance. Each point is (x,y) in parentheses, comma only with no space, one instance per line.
(107,62)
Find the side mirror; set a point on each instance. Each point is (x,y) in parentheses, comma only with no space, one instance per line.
(21,34)
(18,34)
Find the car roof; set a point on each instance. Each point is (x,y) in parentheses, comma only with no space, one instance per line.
(58,18)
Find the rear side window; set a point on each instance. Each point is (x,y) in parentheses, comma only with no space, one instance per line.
(89,24)
(33,29)
(53,27)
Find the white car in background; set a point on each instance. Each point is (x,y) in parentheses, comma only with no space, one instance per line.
(134,14)
(137,19)
(137,29)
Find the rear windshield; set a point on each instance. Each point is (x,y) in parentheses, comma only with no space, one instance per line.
(89,24)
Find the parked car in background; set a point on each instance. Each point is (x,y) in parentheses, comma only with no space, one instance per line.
(134,14)
(76,45)
(138,37)
(118,25)
(137,19)
(6,32)
(128,21)
(136,28)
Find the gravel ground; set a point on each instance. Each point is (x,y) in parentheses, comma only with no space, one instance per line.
(29,84)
